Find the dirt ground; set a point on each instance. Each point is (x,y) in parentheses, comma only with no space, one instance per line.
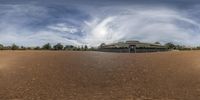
(64,75)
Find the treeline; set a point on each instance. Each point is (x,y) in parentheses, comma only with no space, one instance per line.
(48,46)
(172,46)
(59,46)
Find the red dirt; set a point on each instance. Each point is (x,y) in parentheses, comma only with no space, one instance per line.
(62,75)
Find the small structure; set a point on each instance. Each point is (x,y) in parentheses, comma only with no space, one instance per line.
(132,47)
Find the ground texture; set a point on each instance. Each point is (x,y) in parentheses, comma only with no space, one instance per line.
(51,75)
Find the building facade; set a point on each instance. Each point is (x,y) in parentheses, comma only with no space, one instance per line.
(132,47)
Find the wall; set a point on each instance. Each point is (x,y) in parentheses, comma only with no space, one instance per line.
(138,50)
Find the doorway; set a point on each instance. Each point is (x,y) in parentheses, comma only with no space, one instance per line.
(132,48)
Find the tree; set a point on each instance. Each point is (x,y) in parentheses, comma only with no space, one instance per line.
(37,48)
(58,46)
(14,47)
(78,48)
(92,49)
(85,48)
(69,47)
(1,47)
(157,43)
(170,45)
(179,47)
(198,47)
(47,46)
(75,48)
(82,48)
(22,48)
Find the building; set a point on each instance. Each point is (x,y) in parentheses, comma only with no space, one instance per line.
(132,47)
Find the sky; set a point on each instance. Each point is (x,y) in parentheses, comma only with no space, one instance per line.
(90,22)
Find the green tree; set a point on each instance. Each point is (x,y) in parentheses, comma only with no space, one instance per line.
(14,47)
(157,43)
(170,45)
(78,48)
(58,46)
(85,48)
(82,48)
(198,47)
(1,47)
(69,47)
(75,48)
(47,46)
(37,48)
(92,49)
(22,48)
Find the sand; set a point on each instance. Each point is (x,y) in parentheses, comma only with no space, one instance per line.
(67,75)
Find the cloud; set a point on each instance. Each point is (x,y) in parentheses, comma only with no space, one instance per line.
(143,24)
(61,27)
(30,24)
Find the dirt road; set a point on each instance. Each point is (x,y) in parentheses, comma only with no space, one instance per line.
(62,75)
